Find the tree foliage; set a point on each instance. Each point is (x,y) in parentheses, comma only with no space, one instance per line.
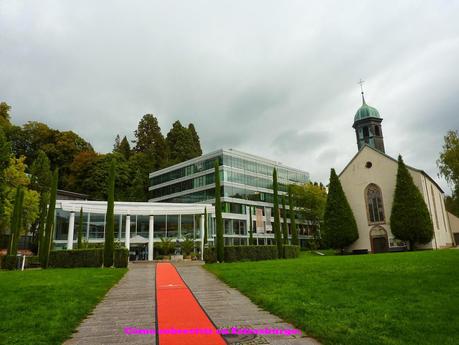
(340,228)
(448,164)
(151,142)
(14,176)
(182,143)
(410,218)
(5,123)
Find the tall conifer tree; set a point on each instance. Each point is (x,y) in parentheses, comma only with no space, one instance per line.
(410,218)
(220,244)
(250,227)
(205,225)
(15,222)
(49,229)
(110,218)
(277,230)
(295,240)
(340,228)
(41,224)
(284,224)
(80,230)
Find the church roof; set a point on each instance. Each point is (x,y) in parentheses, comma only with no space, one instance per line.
(393,159)
(365,111)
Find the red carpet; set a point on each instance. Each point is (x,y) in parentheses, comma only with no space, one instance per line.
(178,309)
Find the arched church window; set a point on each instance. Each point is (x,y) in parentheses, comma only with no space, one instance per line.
(375,207)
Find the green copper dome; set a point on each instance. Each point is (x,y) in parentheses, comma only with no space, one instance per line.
(365,111)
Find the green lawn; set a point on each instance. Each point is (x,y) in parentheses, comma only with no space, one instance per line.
(403,298)
(45,306)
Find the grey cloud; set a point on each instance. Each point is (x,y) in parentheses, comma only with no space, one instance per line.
(273,78)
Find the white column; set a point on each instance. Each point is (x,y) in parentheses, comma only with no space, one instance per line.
(127,235)
(71,230)
(202,237)
(150,239)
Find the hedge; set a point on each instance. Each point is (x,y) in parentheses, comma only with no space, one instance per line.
(9,262)
(251,253)
(76,258)
(121,257)
(291,252)
(86,258)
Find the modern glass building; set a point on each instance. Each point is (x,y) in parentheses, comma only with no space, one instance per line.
(138,226)
(246,184)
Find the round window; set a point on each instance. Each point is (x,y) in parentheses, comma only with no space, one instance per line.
(368,165)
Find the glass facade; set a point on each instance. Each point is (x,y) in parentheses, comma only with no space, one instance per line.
(173,226)
(246,181)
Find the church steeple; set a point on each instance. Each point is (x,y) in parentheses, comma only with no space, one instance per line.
(367,125)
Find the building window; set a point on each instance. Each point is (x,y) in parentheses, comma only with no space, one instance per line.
(375,207)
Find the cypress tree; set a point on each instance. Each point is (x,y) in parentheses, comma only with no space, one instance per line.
(110,218)
(295,240)
(250,226)
(218,215)
(12,246)
(410,219)
(340,228)
(41,225)
(205,225)
(277,230)
(48,242)
(80,230)
(284,224)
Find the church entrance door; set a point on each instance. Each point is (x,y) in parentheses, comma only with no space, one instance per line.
(379,245)
(378,240)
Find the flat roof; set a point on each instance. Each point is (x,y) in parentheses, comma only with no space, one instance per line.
(134,208)
(219,152)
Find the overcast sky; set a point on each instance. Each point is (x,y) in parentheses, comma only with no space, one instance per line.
(273,78)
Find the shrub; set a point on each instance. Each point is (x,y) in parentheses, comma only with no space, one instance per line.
(291,252)
(187,246)
(210,255)
(32,261)
(76,258)
(243,253)
(9,262)
(121,257)
(166,246)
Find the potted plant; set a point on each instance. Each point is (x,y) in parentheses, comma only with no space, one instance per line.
(187,246)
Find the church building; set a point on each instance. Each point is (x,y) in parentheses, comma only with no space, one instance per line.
(369,180)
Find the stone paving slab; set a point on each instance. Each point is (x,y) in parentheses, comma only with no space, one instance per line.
(131,302)
(227,308)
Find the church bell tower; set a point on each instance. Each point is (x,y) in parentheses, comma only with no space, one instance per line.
(367,125)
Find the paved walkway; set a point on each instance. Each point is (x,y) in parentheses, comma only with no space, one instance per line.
(132,303)
(227,308)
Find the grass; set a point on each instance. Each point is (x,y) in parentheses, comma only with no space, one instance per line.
(45,306)
(399,298)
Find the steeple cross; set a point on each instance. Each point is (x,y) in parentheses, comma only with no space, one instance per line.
(361,84)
